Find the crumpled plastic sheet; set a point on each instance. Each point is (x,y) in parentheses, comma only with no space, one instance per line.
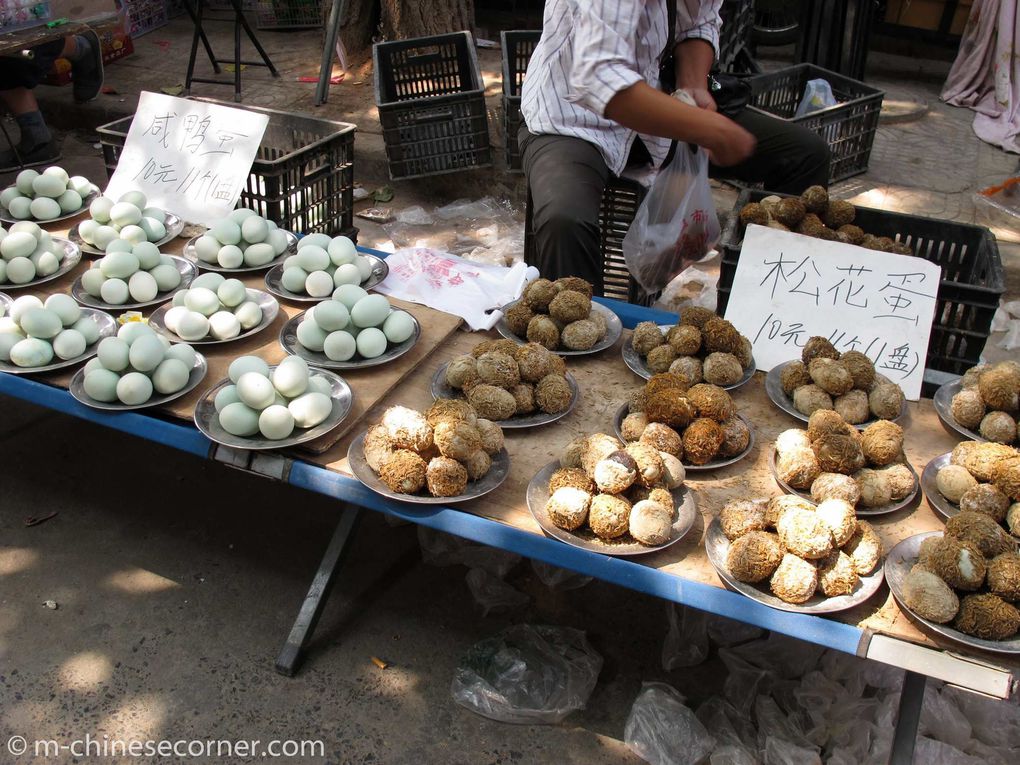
(686,643)
(692,286)
(729,632)
(556,578)
(744,681)
(774,724)
(493,594)
(728,726)
(996,723)
(784,656)
(662,730)
(414,216)
(928,750)
(1012,339)
(527,674)
(779,752)
(732,755)
(440,549)
(941,718)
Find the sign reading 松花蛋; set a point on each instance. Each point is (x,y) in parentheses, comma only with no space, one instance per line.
(191,158)
(789,288)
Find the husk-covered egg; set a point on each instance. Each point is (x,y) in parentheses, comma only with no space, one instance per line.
(291,376)
(310,409)
(239,419)
(370,311)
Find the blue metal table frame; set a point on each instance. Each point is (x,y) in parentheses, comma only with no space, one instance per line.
(918,661)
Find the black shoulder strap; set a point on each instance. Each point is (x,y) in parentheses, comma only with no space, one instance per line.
(667,61)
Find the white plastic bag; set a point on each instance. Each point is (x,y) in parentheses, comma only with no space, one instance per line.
(447,283)
(686,643)
(662,730)
(493,594)
(556,578)
(817,95)
(527,674)
(676,224)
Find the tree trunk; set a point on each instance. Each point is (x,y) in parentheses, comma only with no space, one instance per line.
(400,19)
(417,18)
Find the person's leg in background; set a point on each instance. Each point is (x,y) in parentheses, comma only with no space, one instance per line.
(19,76)
(788,158)
(566,178)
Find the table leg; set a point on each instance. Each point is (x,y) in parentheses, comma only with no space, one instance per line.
(326,66)
(905,736)
(290,657)
(237,58)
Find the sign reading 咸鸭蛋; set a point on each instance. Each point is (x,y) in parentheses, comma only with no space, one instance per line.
(190,158)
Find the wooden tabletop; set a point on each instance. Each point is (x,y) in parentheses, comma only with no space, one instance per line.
(605,383)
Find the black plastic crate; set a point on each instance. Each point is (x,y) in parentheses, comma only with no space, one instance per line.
(517,49)
(302,177)
(431,105)
(619,206)
(289,14)
(735,36)
(972,276)
(849,127)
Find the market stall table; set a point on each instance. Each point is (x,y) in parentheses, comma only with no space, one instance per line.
(876,630)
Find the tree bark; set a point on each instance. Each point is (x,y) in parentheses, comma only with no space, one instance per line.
(401,19)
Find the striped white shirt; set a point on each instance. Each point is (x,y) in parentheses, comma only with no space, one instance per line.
(591,50)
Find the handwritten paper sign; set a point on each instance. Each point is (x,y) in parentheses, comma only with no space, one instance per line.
(789,288)
(189,157)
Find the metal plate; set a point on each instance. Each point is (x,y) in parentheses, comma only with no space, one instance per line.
(207,421)
(270,308)
(622,412)
(898,563)
(197,374)
(6,216)
(637,365)
(774,387)
(190,254)
(72,257)
(440,389)
(289,341)
(187,271)
(892,507)
(493,479)
(107,328)
(538,496)
(274,281)
(174,226)
(717,546)
(943,400)
(614,328)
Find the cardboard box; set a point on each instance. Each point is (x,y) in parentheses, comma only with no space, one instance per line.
(927,14)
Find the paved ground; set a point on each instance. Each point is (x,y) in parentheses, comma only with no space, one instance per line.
(177,580)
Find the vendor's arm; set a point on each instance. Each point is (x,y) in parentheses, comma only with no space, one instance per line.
(697,34)
(648,110)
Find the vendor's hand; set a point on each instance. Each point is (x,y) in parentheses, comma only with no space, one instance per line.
(731,144)
(702,98)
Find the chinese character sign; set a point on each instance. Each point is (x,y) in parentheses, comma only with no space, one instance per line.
(789,288)
(189,157)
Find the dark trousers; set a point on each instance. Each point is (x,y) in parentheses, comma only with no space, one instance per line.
(566,178)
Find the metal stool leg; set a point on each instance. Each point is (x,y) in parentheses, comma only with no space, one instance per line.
(237,60)
(197,18)
(201,32)
(326,66)
(239,18)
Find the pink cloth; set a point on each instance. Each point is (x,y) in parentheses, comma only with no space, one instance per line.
(986,74)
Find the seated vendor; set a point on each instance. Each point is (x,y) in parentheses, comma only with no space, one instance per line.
(592,106)
(18,77)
